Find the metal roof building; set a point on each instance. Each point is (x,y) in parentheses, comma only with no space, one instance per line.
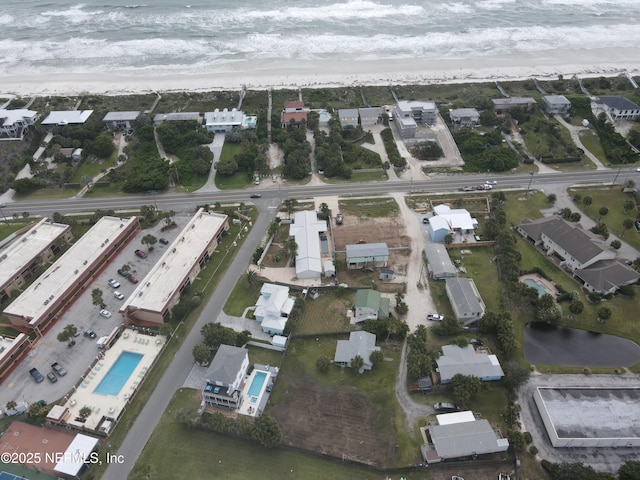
(306,229)
(465,299)
(359,343)
(67,117)
(439,262)
(465,361)
(367,255)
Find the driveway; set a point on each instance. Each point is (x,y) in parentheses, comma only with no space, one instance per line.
(216,149)
(575,136)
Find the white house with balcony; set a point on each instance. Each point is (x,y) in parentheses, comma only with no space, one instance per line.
(273,308)
(13,123)
(221,121)
(225,376)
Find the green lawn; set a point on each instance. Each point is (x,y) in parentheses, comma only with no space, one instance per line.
(370,207)
(232,182)
(326,314)
(613,199)
(481,267)
(9,227)
(242,296)
(91,169)
(175,451)
(591,142)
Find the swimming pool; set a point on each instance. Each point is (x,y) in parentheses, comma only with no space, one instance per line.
(324,116)
(537,285)
(119,373)
(256,384)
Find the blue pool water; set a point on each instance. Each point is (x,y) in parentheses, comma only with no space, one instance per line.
(324,116)
(256,384)
(118,374)
(538,286)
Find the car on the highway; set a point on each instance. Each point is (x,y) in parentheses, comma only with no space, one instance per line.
(141,254)
(118,295)
(37,376)
(90,333)
(113,283)
(105,313)
(256,195)
(52,377)
(163,241)
(59,369)
(491,182)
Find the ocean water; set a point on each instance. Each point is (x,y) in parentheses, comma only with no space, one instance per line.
(169,37)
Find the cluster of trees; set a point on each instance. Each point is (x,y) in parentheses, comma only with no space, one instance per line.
(419,358)
(570,215)
(145,170)
(507,254)
(557,148)
(297,149)
(485,152)
(337,156)
(500,325)
(264,429)
(387,328)
(186,140)
(630,470)
(252,157)
(392,149)
(426,151)
(465,388)
(214,335)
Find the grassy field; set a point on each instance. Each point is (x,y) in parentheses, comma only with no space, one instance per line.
(358,176)
(592,143)
(481,267)
(9,227)
(243,295)
(326,314)
(370,207)
(613,199)
(91,169)
(175,451)
(206,283)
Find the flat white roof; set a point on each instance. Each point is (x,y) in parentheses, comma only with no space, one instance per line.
(60,276)
(223,117)
(13,116)
(455,417)
(21,252)
(167,275)
(64,117)
(6,343)
(76,454)
(306,229)
(120,116)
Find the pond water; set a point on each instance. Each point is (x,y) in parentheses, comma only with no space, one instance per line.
(549,345)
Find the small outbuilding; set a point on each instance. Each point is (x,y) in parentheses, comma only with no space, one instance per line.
(386,274)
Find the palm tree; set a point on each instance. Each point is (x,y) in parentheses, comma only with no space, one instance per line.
(96,298)
(357,363)
(252,277)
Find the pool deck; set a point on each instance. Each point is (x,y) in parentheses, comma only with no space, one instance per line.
(537,278)
(253,409)
(112,405)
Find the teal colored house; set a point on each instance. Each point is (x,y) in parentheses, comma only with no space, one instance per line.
(370,305)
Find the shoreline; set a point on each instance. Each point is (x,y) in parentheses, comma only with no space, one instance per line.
(322,74)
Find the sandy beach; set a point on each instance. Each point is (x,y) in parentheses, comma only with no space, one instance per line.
(310,74)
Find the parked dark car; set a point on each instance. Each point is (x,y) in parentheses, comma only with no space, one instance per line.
(59,369)
(441,407)
(122,273)
(141,254)
(89,333)
(37,376)
(163,241)
(52,377)
(131,278)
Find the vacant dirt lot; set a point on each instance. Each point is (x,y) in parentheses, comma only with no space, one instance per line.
(335,420)
(389,230)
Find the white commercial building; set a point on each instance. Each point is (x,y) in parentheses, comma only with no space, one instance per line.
(151,301)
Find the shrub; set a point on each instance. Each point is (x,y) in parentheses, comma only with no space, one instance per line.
(533,450)
(527,437)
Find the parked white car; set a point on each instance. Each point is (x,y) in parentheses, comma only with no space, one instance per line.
(105,313)
(436,317)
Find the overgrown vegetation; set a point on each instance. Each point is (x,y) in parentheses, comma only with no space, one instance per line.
(485,152)
(392,149)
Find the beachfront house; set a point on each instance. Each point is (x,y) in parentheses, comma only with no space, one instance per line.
(464,117)
(556,104)
(293,114)
(465,299)
(618,107)
(221,121)
(501,105)
(224,377)
(348,117)
(587,256)
(466,361)
(369,116)
(67,117)
(120,119)
(370,305)
(273,308)
(13,123)
(410,114)
(361,344)
(176,117)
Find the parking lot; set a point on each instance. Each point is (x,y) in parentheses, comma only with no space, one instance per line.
(19,386)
